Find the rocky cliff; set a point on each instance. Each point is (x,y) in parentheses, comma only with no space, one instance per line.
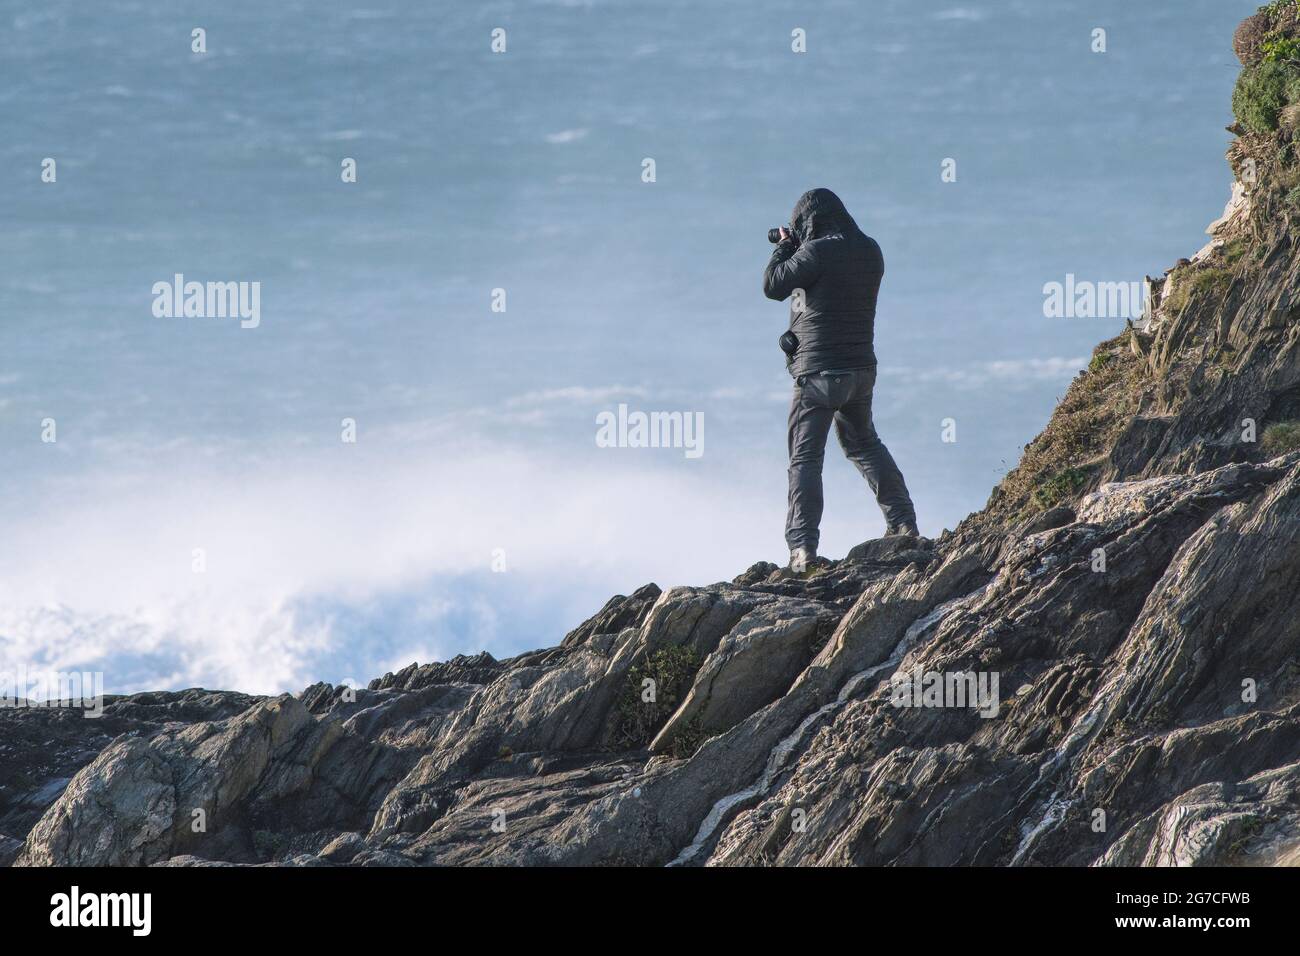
(1101,667)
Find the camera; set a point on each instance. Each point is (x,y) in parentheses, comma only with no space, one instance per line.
(774,234)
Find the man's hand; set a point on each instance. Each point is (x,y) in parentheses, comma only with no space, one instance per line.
(792,266)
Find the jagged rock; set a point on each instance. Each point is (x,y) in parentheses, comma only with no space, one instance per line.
(893,548)
(135,802)
(9,849)
(41,748)
(124,801)
(753,665)
(1217,824)
(1237,207)
(1118,691)
(1056,517)
(761,571)
(478,669)
(344,848)
(619,612)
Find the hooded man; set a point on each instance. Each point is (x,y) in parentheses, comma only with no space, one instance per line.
(833,271)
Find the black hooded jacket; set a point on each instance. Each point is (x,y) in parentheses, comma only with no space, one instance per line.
(839,269)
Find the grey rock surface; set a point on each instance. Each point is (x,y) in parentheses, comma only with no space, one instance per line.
(1121,691)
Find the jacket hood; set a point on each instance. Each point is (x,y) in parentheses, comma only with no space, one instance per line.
(820,213)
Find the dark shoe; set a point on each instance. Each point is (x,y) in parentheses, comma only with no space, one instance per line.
(906,529)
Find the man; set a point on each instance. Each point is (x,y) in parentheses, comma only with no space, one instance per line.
(833,270)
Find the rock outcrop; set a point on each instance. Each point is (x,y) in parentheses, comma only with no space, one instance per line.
(1102,667)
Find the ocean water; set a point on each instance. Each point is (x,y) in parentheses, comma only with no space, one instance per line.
(199,519)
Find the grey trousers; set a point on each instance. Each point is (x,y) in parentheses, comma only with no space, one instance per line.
(844,398)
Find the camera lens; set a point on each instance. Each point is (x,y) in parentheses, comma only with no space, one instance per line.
(774,235)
